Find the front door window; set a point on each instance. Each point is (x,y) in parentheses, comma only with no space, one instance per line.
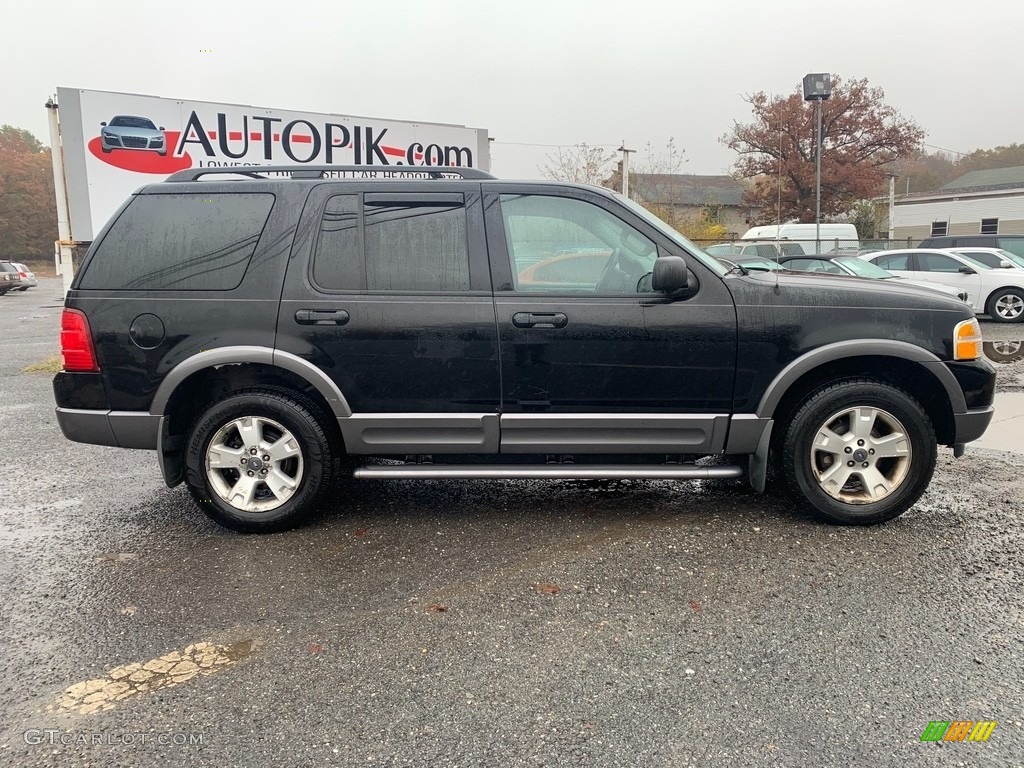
(561,245)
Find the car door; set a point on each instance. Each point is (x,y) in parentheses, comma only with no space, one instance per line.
(940,268)
(389,295)
(595,361)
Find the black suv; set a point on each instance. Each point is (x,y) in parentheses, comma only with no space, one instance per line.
(267,335)
(1011,243)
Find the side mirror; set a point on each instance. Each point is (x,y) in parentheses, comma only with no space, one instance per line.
(103,125)
(965,270)
(669,274)
(161,128)
(1005,265)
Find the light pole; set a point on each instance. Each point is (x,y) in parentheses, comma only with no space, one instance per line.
(817,88)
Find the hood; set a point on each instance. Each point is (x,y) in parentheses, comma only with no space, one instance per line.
(815,288)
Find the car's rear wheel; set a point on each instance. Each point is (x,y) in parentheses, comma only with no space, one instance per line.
(859,451)
(259,460)
(1006,305)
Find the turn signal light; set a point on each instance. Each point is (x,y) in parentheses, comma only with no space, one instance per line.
(967,340)
(76,350)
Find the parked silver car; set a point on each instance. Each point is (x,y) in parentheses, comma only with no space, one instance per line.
(10,279)
(130,132)
(28,278)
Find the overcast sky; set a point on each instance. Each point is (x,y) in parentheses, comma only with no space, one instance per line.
(534,73)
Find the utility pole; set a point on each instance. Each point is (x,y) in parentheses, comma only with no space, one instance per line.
(892,203)
(625,168)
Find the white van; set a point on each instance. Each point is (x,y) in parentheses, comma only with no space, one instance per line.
(845,234)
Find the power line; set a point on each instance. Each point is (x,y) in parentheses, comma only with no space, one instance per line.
(560,146)
(951,151)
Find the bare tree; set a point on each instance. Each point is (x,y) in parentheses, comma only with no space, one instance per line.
(580,163)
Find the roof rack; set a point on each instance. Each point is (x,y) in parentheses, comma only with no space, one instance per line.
(324,171)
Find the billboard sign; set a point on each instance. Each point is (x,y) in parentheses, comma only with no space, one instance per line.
(116,142)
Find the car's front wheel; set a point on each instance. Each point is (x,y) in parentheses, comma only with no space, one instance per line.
(259,460)
(1006,305)
(859,451)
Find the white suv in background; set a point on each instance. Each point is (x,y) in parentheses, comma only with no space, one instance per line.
(999,293)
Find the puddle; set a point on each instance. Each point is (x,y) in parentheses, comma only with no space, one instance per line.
(129,680)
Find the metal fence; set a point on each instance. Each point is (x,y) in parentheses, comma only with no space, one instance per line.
(825,246)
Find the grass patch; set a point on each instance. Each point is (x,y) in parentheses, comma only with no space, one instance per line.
(49,365)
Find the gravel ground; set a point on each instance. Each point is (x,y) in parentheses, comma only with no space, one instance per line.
(492,624)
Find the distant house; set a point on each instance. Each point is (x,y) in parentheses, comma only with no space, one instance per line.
(978,203)
(716,199)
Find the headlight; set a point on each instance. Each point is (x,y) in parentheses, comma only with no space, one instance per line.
(967,340)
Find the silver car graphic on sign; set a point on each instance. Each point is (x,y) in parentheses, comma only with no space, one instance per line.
(130,132)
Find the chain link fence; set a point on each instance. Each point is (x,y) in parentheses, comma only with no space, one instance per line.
(832,246)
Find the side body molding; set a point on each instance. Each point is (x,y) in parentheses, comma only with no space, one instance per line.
(875,348)
(249,354)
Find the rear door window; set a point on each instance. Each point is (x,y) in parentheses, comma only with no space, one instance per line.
(897,261)
(399,242)
(180,242)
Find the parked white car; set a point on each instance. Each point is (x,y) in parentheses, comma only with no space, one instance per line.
(999,293)
(851,265)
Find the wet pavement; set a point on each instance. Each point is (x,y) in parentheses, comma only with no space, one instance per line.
(467,623)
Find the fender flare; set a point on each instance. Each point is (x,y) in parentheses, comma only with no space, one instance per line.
(860,348)
(250,354)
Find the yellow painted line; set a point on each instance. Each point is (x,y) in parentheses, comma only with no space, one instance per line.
(147,676)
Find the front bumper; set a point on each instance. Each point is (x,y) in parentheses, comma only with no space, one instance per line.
(972,425)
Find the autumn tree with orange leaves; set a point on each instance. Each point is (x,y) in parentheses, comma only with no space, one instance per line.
(28,211)
(862,137)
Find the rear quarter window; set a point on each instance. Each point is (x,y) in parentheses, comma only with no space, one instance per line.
(180,242)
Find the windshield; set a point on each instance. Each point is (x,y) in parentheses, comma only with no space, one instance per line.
(863,268)
(124,121)
(1013,258)
(710,261)
(723,249)
(767,265)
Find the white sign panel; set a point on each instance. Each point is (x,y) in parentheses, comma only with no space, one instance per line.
(116,142)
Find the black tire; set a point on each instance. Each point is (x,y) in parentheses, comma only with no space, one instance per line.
(862,498)
(1006,305)
(24,289)
(277,411)
(1003,351)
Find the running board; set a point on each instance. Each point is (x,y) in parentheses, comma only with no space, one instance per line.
(545,472)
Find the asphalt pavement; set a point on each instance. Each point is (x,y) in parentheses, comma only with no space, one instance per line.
(461,623)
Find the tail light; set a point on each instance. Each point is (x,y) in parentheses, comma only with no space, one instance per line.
(23,274)
(76,349)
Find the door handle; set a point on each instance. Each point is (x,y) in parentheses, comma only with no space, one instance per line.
(321,317)
(540,320)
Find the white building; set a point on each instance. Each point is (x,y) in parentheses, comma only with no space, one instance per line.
(978,203)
